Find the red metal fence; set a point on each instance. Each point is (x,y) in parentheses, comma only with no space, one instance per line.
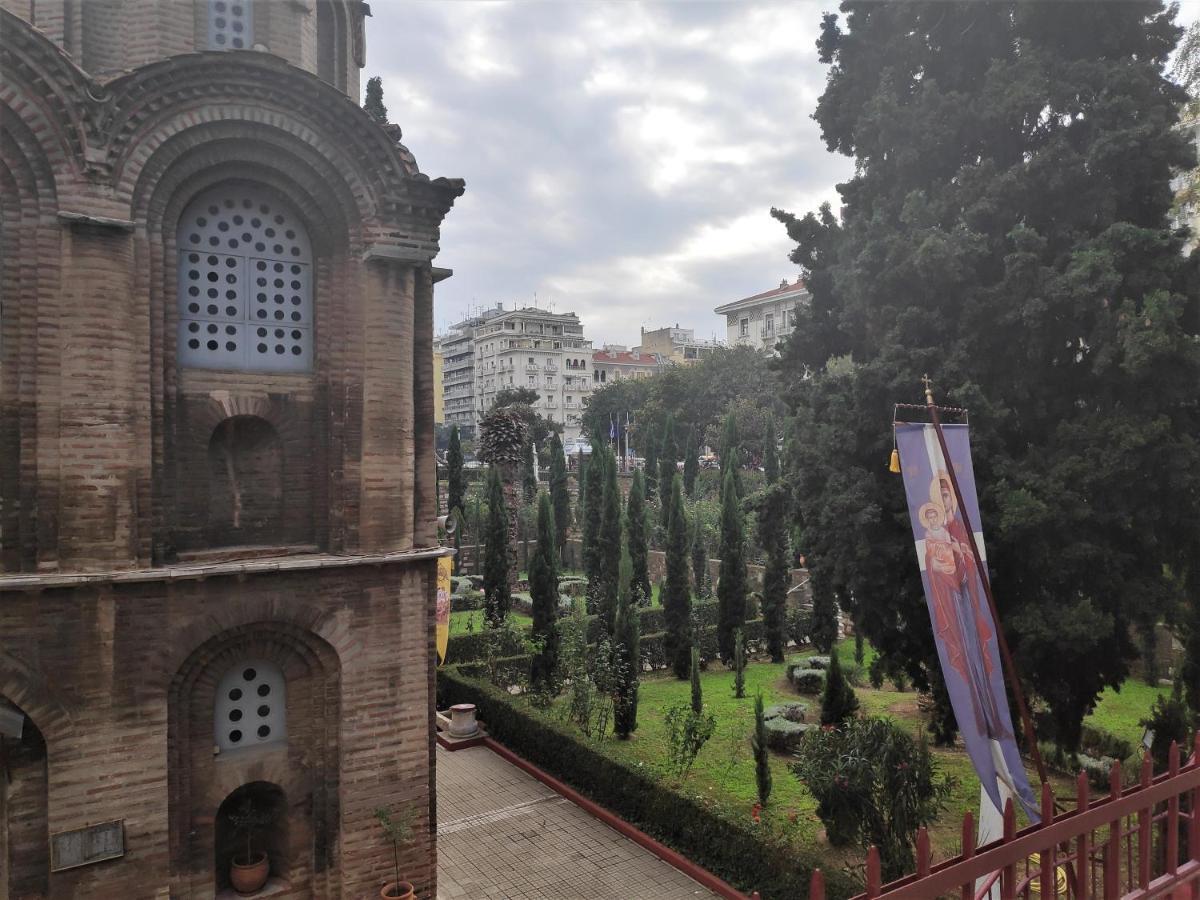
(1138,842)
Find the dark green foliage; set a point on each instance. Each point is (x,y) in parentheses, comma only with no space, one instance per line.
(732,587)
(496,592)
(1005,231)
(859,651)
(699,564)
(762,753)
(456,489)
(627,661)
(773,538)
(593,515)
(770,452)
(543,591)
(635,512)
(373,103)
(822,629)
(1171,720)
(688,727)
(529,485)
(739,664)
(560,495)
(608,544)
(667,456)
(694,674)
(676,598)
(726,843)
(873,785)
(522,402)
(651,465)
(691,462)
(838,700)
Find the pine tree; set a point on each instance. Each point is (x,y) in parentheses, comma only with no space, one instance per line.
(732,587)
(822,631)
(560,495)
(762,753)
(608,544)
(529,485)
(691,463)
(676,600)
(1020,253)
(543,592)
(838,700)
(635,512)
(667,455)
(497,596)
(627,650)
(373,103)
(699,563)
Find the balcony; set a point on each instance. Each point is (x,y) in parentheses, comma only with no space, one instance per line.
(532,369)
(551,367)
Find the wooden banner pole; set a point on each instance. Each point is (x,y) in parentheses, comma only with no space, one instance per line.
(1010,669)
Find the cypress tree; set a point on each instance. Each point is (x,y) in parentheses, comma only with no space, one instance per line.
(762,753)
(626,650)
(608,544)
(651,469)
(497,596)
(560,494)
(823,629)
(773,538)
(456,490)
(593,514)
(529,485)
(739,664)
(770,451)
(731,452)
(373,103)
(699,562)
(635,513)
(732,588)
(667,455)
(691,463)
(838,700)
(543,591)
(676,600)
(694,670)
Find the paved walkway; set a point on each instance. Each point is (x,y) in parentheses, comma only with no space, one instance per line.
(504,834)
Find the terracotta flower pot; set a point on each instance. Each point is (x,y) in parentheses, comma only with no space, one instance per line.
(248,878)
(397,890)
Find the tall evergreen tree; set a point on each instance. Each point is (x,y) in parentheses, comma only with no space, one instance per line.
(694,674)
(731,451)
(635,513)
(651,466)
(373,103)
(822,630)
(593,514)
(1005,231)
(770,451)
(699,550)
(529,485)
(560,494)
(762,752)
(676,598)
(456,491)
(838,700)
(543,592)
(667,456)
(626,650)
(608,544)
(691,463)
(732,587)
(497,596)
(773,538)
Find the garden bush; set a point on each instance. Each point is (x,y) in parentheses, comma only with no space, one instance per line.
(1097,769)
(723,840)
(807,681)
(817,662)
(784,735)
(1098,742)
(793,712)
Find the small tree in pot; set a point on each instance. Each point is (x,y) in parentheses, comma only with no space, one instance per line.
(249,873)
(397,829)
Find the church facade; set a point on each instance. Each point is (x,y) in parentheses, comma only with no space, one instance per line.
(218,537)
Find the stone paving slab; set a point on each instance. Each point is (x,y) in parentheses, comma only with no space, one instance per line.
(503,834)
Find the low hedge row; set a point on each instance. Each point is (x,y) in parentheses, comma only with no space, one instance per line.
(729,845)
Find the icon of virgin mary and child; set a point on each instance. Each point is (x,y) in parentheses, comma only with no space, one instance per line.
(962,622)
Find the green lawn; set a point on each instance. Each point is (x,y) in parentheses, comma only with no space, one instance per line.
(465,621)
(1119,712)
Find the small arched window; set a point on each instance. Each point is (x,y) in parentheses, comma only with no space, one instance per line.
(245,283)
(251,707)
(230,25)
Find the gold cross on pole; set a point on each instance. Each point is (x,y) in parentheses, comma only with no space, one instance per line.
(925,380)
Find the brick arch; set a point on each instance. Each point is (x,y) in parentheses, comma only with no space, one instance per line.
(24,823)
(305,766)
(27,687)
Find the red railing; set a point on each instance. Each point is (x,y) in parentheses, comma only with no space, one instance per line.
(1138,842)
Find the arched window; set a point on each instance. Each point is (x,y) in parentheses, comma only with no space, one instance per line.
(245,283)
(251,707)
(230,25)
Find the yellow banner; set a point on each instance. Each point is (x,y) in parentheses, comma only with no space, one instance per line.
(445,567)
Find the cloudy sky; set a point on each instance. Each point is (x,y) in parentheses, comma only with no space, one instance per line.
(621,158)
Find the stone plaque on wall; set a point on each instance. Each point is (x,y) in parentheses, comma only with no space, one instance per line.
(83,846)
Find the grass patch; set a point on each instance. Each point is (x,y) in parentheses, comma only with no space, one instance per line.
(468,621)
(1119,711)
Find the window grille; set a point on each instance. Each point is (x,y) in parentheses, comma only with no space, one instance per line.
(251,706)
(245,284)
(230,25)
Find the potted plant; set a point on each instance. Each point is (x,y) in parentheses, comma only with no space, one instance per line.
(249,873)
(397,829)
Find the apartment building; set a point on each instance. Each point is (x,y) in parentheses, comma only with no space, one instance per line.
(763,320)
(675,345)
(616,363)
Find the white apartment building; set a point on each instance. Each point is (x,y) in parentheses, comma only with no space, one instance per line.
(763,320)
(536,349)
(616,363)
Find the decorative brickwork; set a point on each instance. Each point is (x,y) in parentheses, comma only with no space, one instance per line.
(163,521)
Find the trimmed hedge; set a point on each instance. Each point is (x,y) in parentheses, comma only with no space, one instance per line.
(729,845)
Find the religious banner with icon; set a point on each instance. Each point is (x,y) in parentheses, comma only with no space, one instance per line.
(445,567)
(963,627)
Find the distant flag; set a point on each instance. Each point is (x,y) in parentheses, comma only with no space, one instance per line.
(612,429)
